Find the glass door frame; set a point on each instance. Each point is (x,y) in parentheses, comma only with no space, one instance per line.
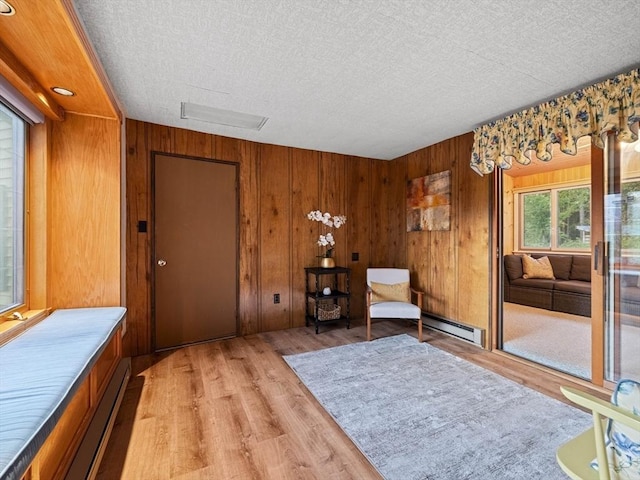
(597,281)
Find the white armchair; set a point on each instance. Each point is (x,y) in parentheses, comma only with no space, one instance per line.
(389,295)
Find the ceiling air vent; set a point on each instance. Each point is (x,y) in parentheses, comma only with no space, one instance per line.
(230,118)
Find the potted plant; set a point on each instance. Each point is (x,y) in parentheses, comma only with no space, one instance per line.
(326,240)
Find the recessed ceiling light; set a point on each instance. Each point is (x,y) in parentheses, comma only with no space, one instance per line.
(62,91)
(6,8)
(221,117)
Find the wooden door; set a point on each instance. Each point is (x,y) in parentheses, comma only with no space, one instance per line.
(195,245)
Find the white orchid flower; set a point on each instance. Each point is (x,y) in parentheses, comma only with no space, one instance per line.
(330,221)
(329,238)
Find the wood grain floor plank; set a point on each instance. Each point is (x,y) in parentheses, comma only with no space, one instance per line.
(233,409)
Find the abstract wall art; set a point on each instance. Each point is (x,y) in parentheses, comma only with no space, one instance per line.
(429,202)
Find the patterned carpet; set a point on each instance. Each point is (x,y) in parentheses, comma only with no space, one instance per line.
(420,413)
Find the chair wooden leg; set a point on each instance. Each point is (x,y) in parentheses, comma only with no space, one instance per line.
(368,327)
(420,330)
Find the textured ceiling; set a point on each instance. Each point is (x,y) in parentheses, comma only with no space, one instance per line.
(371,78)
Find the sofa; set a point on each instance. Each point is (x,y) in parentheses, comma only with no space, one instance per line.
(569,290)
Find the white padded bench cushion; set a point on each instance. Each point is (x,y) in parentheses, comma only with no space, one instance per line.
(41,371)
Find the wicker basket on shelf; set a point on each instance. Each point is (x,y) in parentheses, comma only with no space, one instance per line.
(328,312)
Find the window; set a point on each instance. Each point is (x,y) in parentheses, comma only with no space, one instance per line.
(630,211)
(12,209)
(555,219)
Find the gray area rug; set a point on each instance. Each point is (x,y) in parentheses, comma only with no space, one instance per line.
(417,412)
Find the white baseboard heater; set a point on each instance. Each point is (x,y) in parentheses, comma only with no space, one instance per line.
(472,334)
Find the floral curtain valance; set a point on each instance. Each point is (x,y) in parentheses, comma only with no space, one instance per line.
(612,105)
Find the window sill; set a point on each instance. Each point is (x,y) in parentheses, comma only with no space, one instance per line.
(11,328)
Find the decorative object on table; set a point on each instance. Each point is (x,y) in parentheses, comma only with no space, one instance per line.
(429,202)
(329,311)
(326,240)
(326,291)
(327,262)
(610,450)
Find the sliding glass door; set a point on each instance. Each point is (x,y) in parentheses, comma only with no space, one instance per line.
(617,260)
(584,210)
(545,214)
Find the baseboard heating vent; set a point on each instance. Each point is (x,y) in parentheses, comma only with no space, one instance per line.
(87,459)
(472,334)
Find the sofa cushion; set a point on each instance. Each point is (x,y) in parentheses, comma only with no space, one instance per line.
(630,294)
(574,286)
(581,268)
(561,266)
(537,267)
(513,266)
(540,283)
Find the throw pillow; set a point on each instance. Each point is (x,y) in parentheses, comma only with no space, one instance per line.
(623,443)
(537,267)
(561,265)
(397,292)
(581,268)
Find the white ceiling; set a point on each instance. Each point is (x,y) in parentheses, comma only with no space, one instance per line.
(377,79)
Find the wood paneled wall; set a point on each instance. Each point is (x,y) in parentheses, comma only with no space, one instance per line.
(278,187)
(83,183)
(453,267)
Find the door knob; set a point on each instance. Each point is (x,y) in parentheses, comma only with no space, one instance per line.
(162,262)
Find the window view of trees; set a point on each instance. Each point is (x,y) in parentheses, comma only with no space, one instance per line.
(630,213)
(565,212)
(536,215)
(574,217)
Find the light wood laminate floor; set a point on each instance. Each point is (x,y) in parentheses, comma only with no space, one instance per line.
(233,409)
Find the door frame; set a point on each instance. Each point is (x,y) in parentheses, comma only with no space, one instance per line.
(152,240)
(597,282)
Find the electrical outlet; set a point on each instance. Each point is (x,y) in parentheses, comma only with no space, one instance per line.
(276,298)
(355,256)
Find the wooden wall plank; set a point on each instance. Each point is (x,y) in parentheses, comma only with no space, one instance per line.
(194,144)
(388,243)
(358,228)
(248,306)
(138,244)
(275,239)
(84,208)
(332,194)
(473,242)
(304,232)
